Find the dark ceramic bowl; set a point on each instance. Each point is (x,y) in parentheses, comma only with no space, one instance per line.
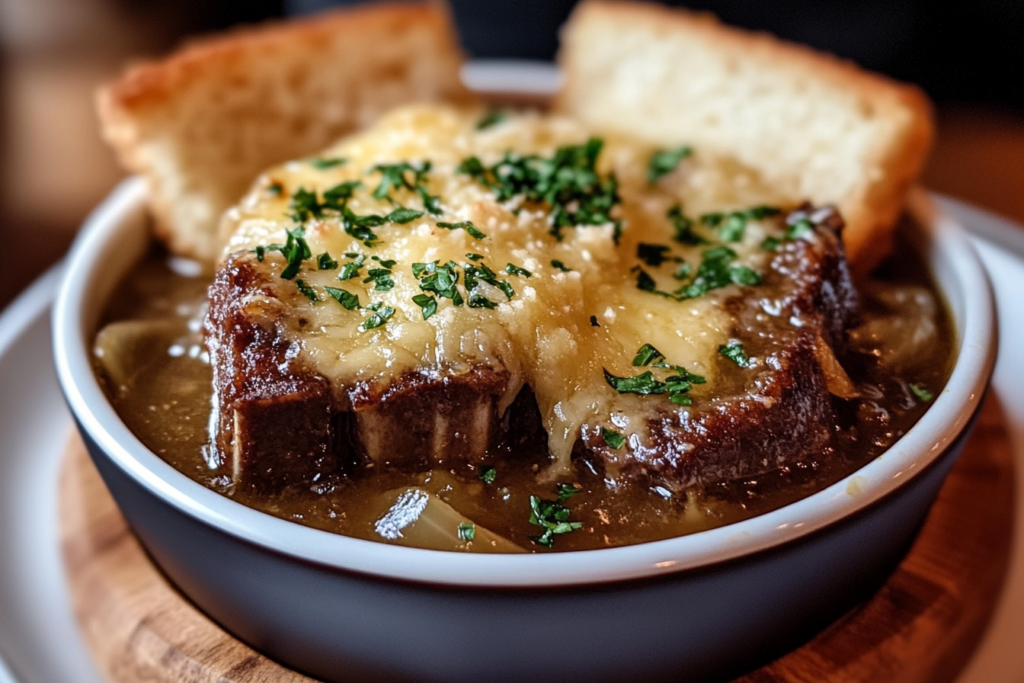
(704,606)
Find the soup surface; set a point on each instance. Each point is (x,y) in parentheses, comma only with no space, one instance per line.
(151,358)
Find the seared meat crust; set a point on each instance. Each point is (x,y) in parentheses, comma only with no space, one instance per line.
(779,413)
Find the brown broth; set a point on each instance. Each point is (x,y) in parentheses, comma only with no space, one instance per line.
(159,381)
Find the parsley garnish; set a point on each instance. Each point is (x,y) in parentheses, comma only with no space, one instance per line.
(491,118)
(467,531)
(553,517)
(613,438)
(378,318)
(403,215)
(593,321)
(799,229)
(307,291)
(555,263)
(324,163)
(654,254)
(427,304)
(275,189)
(921,392)
(734,352)
(351,269)
(771,243)
(440,279)
(359,227)
(481,273)
(474,257)
(325,262)
(566,491)
(464,225)
(683,227)
(295,251)
(513,269)
(646,355)
(486,473)
(664,161)
(304,205)
(335,197)
(260,251)
(343,297)
(567,182)
(381,276)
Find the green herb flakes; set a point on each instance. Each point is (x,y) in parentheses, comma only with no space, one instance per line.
(275,189)
(474,257)
(403,216)
(646,355)
(324,163)
(771,244)
(464,225)
(613,438)
(378,318)
(799,229)
(655,254)
(553,517)
(593,321)
(921,392)
(307,291)
(325,262)
(467,531)
(351,269)
(486,473)
(683,227)
(492,118)
(555,263)
(734,352)
(513,269)
(427,304)
(566,491)
(663,162)
(343,297)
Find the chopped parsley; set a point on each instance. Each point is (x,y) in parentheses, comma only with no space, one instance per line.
(734,352)
(513,269)
(360,227)
(336,197)
(655,254)
(716,271)
(491,118)
(275,189)
(325,262)
(799,229)
(553,517)
(351,269)
(378,318)
(324,163)
(613,438)
(394,177)
(381,275)
(486,473)
(304,205)
(481,273)
(566,491)
(921,392)
(555,263)
(464,225)
(683,226)
(402,215)
(646,355)
(676,385)
(307,291)
(664,161)
(771,243)
(295,250)
(474,257)
(427,304)
(439,279)
(343,297)
(467,531)
(593,321)
(567,182)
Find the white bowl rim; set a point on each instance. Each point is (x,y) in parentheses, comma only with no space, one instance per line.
(945,420)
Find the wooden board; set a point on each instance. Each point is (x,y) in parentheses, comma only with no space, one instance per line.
(921,627)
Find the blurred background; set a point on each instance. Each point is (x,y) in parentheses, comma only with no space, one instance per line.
(53,53)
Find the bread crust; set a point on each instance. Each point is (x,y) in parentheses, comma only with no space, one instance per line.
(201,124)
(889,164)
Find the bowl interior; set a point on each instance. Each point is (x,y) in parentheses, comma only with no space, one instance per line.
(117,235)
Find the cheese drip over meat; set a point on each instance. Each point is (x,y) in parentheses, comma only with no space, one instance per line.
(563,326)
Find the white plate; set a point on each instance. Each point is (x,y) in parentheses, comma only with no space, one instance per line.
(38,636)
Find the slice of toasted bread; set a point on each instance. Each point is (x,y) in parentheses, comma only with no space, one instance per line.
(203,123)
(817,127)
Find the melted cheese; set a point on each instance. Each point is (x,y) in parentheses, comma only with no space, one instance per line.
(543,336)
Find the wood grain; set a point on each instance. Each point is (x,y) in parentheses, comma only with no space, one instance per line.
(921,627)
